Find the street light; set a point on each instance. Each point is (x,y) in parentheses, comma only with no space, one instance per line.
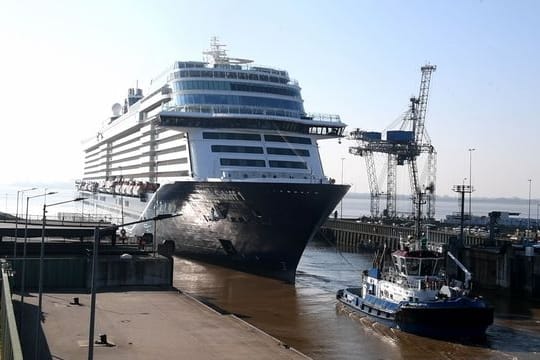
(23,272)
(529,219)
(537,208)
(470,179)
(17,220)
(41,254)
(341,202)
(94,268)
(121,194)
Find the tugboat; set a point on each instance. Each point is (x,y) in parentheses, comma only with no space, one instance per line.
(415,295)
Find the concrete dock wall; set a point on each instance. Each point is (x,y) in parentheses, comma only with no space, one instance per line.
(74,272)
(147,270)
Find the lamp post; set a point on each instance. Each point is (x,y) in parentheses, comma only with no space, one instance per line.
(470,179)
(529,218)
(23,272)
(341,202)
(121,195)
(537,209)
(97,231)
(17,219)
(41,254)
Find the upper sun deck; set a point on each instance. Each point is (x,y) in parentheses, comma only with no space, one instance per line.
(193,69)
(218,65)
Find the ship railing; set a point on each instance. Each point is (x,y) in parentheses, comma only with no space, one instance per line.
(324,117)
(71,219)
(233,110)
(228,175)
(426,283)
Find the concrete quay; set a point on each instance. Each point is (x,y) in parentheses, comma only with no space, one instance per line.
(144,325)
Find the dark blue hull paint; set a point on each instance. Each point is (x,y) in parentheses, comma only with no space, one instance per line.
(261,228)
(451,319)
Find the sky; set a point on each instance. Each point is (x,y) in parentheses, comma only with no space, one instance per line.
(64,63)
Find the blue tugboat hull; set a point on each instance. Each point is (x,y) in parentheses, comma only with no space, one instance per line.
(462,317)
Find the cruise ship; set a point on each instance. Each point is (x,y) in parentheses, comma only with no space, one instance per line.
(228,146)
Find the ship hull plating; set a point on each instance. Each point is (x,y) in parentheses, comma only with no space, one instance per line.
(441,319)
(261,228)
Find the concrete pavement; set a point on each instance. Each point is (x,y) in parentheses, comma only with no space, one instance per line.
(145,325)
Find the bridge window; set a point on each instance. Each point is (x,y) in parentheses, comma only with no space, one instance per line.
(284,151)
(242,162)
(288,164)
(413,267)
(427,267)
(231,136)
(237,149)
(288,139)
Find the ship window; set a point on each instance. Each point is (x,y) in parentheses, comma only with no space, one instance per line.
(437,268)
(413,267)
(289,139)
(427,267)
(265,89)
(288,164)
(242,162)
(283,151)
(237,149)
(231,136)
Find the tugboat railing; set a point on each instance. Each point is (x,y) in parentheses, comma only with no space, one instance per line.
(414,284)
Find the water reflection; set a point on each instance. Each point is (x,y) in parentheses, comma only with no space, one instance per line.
(307,316)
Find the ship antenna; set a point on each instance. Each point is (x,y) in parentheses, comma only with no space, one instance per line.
(218,55)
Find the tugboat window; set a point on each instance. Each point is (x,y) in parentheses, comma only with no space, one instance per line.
(413,267)
(427,267)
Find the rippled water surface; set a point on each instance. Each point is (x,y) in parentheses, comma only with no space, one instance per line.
(307,316)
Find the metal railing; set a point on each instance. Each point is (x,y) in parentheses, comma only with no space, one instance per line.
(324,117)
(69,219)
(233,110)
(9,335)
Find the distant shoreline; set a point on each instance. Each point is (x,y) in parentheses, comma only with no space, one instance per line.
(452,198)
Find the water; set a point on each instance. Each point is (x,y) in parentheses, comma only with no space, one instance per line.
(307,316)
(354,204)
(358,205)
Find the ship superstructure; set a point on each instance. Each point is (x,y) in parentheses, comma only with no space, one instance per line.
(233,150)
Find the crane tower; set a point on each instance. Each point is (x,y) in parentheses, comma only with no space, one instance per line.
(402,146)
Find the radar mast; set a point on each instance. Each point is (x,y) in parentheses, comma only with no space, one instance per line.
(218,55)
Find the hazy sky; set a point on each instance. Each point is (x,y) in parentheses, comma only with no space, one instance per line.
(64,63)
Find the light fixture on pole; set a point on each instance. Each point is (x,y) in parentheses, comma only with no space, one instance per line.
(23,272)
(470,179)
(341,202)
(17,220)
(41,255)
(121,195)
(529,219)
(97,231)
(537,209)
